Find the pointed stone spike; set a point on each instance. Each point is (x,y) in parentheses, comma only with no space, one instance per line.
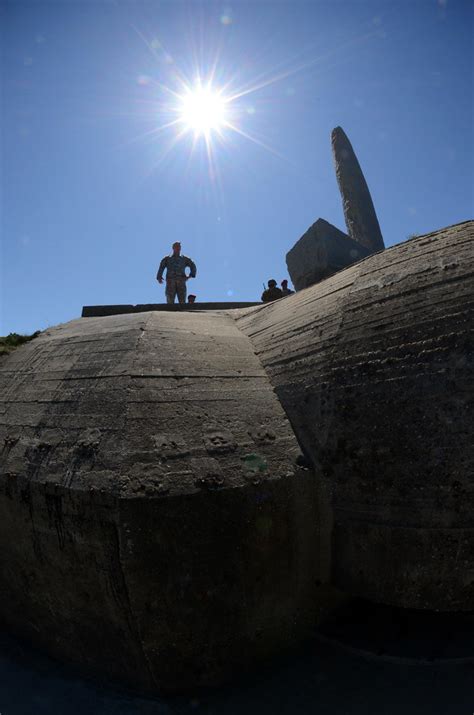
(359,213)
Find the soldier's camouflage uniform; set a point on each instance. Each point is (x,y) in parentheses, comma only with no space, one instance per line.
(272,293)
(176,276)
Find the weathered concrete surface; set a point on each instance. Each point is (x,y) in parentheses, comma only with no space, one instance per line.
(96,311)
(154,525)
(322,251)
(359,213)
(374,368)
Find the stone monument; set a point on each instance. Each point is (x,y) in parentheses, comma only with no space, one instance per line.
(324,249)
(359,213)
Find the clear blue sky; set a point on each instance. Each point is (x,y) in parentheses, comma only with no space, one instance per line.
(93,196)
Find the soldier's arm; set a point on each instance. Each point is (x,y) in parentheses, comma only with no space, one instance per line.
(192,266)
(162,267)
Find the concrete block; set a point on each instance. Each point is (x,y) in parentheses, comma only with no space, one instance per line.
(322,251)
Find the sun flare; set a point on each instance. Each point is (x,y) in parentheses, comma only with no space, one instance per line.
(203,110)
(207,108)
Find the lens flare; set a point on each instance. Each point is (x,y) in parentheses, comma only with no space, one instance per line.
(208,107)
(202,110)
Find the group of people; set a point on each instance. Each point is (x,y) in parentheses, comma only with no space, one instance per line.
(176,278)
(273,292)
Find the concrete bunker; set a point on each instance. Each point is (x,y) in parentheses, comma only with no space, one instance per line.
(157,522)
(155,525)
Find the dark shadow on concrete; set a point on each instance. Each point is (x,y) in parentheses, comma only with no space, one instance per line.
(96,311)
(401,634)
(338,672)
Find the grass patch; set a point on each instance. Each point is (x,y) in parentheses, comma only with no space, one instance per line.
(12,341)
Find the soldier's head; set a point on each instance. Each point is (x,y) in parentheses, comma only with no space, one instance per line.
(284,284)
(176,248)
(272,283)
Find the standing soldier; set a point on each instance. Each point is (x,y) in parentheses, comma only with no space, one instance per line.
(176,277)
(284,288)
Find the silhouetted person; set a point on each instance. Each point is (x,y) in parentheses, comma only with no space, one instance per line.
(272,292)
(176,277)
(191,298)
(284,288)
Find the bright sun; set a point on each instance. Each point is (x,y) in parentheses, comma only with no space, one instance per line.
(203,110)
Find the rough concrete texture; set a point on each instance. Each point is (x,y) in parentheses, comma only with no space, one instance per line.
(322,251)
(374,368)
(359,213)
(154,524)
